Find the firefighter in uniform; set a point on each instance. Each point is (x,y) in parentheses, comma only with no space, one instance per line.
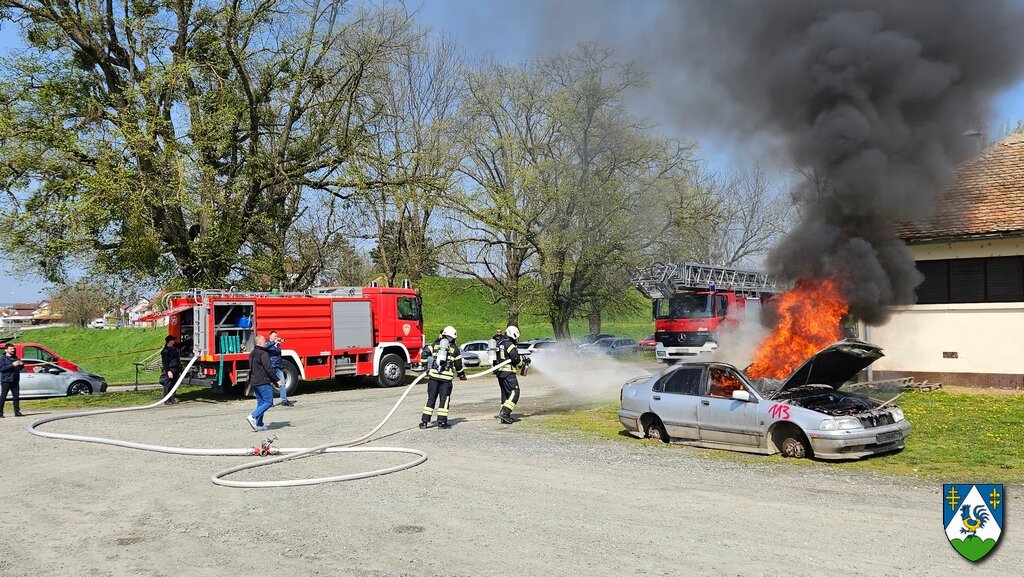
(507,380)
(445,362)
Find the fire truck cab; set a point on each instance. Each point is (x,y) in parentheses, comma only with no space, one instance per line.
(327,332)
(693,302)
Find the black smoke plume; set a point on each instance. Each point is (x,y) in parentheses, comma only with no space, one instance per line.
(869,99)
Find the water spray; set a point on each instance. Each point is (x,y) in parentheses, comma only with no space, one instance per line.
(265,449)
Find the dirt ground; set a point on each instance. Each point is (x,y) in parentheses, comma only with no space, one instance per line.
(491,499)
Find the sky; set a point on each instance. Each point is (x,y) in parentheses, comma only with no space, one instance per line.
(515,32)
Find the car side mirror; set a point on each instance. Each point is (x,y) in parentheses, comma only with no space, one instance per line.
(741,395)
(54,371)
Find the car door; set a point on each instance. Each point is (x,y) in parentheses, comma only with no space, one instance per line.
(38,380)
(674,399)
(723,419)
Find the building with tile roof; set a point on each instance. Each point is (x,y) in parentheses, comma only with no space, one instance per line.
(967,327)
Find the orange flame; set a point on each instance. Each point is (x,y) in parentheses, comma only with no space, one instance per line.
(809,320)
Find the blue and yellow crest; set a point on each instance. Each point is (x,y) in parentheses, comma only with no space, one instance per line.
(973,518)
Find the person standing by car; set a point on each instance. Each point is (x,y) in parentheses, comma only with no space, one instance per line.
(170,366)
(261,379)
(445,362)
(507,381)
(274,350)
(10,379)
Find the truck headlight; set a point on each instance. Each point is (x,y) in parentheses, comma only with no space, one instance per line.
(841,424)
(897,414)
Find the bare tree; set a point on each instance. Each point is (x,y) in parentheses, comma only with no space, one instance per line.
(82,301)
(412,161)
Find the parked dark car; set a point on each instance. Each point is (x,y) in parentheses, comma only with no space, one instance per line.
(587,340)
(611,346)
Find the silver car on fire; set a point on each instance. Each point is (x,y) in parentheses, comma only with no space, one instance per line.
(715,405)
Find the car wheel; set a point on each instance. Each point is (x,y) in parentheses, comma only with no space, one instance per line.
(79,388)
(794,445)
(392,371)
(655,430)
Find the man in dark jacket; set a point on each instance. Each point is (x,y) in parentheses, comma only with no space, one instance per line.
(10,379)
(170,366)
(261,375)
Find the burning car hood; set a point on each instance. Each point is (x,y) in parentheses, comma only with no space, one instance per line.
(833,365)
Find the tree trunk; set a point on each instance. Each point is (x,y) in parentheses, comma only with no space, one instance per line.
(594,318)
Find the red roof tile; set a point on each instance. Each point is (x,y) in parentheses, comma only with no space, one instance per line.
(986,198)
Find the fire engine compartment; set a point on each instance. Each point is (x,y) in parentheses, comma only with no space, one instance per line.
(825,399)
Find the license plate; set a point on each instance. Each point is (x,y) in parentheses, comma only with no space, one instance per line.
(887,437)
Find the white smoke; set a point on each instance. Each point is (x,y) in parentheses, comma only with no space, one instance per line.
(584,378)
(737,345)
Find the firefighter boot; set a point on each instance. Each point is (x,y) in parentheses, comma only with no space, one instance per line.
(443,425)
(423,424)
(506,416)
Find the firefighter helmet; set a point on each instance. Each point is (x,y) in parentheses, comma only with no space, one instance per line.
(449,331)
(512,332)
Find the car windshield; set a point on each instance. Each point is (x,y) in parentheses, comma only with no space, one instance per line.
(685,306)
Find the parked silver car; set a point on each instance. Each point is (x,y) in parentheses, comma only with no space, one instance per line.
(49,380)
(482,349)
(715,405)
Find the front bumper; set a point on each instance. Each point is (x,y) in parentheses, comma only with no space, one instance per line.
(859,443)
(674,354)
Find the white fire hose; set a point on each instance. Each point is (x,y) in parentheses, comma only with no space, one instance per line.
(283,454)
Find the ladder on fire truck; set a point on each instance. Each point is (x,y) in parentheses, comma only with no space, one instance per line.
(664,280)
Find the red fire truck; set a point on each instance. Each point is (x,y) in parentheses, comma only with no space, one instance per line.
(328,332)
(692,302)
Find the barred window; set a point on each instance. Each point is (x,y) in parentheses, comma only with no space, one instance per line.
(972,280)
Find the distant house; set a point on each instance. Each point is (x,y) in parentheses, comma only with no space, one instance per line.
(45,313)
(140,309)
(967,327)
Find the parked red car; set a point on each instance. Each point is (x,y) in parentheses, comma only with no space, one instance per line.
(37,352)
(647,344)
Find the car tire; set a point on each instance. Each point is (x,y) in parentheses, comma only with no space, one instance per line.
(79,388)
(391,371)
(654,429)
(793,443)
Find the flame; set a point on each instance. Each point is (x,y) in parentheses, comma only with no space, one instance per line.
(809,320)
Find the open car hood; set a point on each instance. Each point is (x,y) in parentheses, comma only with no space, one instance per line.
(834,365)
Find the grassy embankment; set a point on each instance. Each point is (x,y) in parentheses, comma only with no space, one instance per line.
(112,352)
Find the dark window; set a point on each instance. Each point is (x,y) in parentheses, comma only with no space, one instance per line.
(685,306)
(683,381)
(37,354)
(723,306)
(972,280)
(409,309)
(1005,279)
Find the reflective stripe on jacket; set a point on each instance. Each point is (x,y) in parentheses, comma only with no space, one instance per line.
(507,351)
(452,366)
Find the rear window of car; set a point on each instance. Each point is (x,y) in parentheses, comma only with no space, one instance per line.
(683,381)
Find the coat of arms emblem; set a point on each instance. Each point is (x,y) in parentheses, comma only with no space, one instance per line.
(973,518)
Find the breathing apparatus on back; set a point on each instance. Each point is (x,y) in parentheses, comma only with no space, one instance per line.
(441,360)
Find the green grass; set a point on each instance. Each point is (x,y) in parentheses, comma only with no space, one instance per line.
(956,437)
(109,352)
(118,399)
(457,302)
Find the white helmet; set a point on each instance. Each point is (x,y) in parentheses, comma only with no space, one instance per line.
(512,332)
(449,331)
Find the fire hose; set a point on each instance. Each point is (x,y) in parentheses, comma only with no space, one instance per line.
(265,449)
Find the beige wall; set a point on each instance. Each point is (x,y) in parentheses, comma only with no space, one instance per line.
(985,337)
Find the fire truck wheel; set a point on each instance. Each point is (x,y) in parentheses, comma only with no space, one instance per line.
(291,377)
(392,371)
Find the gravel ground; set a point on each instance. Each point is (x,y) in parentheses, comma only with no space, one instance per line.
(490,500)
